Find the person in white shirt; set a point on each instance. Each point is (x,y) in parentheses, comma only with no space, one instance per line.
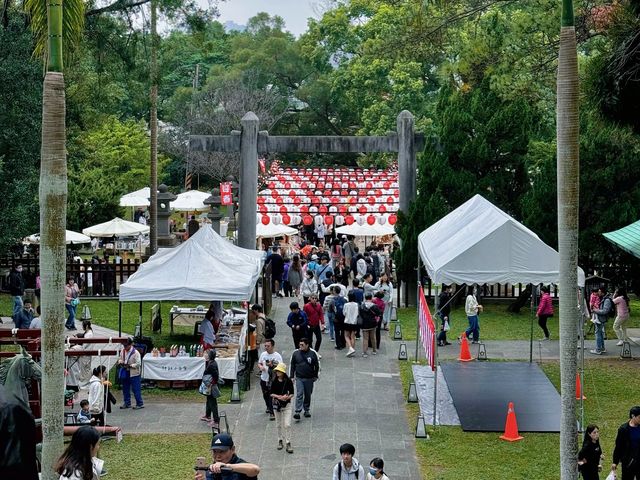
(37,321)
(351,310)
(472,308)
(268,360)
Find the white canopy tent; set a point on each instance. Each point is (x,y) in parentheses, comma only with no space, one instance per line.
(139,198)
(71,237)
(190,201)
(479,243)
(206,267)
(272,230)
(366,230)
(116,228)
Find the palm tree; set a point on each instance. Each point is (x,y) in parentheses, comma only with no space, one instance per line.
(568,197)
(54,25)
(153,127)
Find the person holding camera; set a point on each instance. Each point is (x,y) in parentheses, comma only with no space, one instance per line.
(129,374)
(269,359)
(228,465)
(281,395)
(24,316)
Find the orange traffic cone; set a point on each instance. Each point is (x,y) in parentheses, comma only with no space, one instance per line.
(511,427)
(465,354)
(579,388)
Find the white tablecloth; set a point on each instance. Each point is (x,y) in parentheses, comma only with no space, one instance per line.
(185,368)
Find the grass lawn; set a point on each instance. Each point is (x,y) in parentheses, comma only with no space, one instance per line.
(450,453)
(496,323)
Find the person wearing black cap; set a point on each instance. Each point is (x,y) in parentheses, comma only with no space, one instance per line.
(228,465)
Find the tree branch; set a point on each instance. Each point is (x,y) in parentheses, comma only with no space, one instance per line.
(116,6)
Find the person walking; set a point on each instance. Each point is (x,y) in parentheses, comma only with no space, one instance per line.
(269,359)
(338,318)
(472,308)
(385,286)
(444,312)
(79,460)
(305,367)
(97,395)
(315,316)
(16,289)
(545,310)
(376,470)
(211,376)
(606,309)
(627,448)
(281,395)
(309,286)
(378,300)
(329,308)
(71,302)
(350,325)
(590,455)
(621,302)
(298,322)
(348,468)
(129,375)
(369,314)
(295,275)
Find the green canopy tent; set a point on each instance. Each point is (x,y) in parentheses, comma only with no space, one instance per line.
(627,238)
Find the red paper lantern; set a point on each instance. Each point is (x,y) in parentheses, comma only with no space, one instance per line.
(279,200)
(342,209)
(371,200)
(292,193)
(328,219)
(393,219)
(297,201)
(387,185)
(286,219)
(348,220)
(287,184)
(265,219)
(323,210)
(274,193)
(371,219)
(271,185)
(390,200)
(362,210)
(377,192)
(353,200)
(369,185)
(352,185)
(344,193)
(382,209)
(261,200)
(307,220)
(304,209)
(283,209)
(263,209)
(396,194)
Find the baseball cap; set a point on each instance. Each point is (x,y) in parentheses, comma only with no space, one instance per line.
(222,441)
(314,257)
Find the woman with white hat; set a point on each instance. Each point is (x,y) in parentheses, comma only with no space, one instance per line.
(281,394)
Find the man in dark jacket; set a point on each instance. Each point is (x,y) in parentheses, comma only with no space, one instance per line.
(304,368)
(298,323)
(17,440)
(627,449)
(16,288)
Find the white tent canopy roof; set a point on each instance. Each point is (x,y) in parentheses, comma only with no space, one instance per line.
(139,198)
(479,243)
(206,267)
(71,237)
(271,230)
(190,201)
(116,228)
(375,230)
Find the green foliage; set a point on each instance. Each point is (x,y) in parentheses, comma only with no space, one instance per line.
(107,162)
(20,110)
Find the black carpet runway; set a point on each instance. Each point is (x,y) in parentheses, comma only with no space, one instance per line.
(481,392)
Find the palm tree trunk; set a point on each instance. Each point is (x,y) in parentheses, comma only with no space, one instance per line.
(568,214)
(53,215)
(153,126)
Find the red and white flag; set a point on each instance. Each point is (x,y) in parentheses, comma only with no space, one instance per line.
(226,197)
(427,329)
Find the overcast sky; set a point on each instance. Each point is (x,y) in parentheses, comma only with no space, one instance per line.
(294,12)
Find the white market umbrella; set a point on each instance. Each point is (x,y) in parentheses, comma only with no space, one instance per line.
(271,231)
(70,238)
(190,201)
(116,228)
(366,230)
(139,198)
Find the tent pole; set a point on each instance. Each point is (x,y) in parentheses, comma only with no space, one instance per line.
(119,319)
(532,314)
(434,367)
(140,317)
(581,300)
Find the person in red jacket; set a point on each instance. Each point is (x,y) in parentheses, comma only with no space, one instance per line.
(315,314)
(545,310)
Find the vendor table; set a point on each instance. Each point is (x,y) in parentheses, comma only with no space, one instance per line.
(185,368)
(186,317)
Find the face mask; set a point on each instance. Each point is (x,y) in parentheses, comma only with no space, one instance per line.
(373,471)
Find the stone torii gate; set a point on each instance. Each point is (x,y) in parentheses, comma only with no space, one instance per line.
(249,142)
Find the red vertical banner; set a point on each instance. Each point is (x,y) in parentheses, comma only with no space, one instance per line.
(263,165)
(226,196)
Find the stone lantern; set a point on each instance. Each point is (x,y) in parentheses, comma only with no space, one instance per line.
(165,237)
(214,214)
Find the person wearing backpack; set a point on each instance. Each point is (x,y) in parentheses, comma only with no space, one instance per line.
(369,313)
(348,468)
(269,359)
(338,319)
(606,310)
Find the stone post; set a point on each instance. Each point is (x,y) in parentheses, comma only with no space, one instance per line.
(165,197)
(407,166)
(214,214)
(248,181)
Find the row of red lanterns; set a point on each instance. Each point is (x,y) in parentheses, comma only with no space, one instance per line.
(328,219)
(322,210)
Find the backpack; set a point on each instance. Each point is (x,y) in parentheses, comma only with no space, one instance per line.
(357,472)
(338,304)
(269,328)
(612,311)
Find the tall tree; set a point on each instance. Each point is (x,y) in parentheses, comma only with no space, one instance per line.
(50,21)
(153,124)
(568,177)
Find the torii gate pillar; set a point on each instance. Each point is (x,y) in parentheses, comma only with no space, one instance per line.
(248,181)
